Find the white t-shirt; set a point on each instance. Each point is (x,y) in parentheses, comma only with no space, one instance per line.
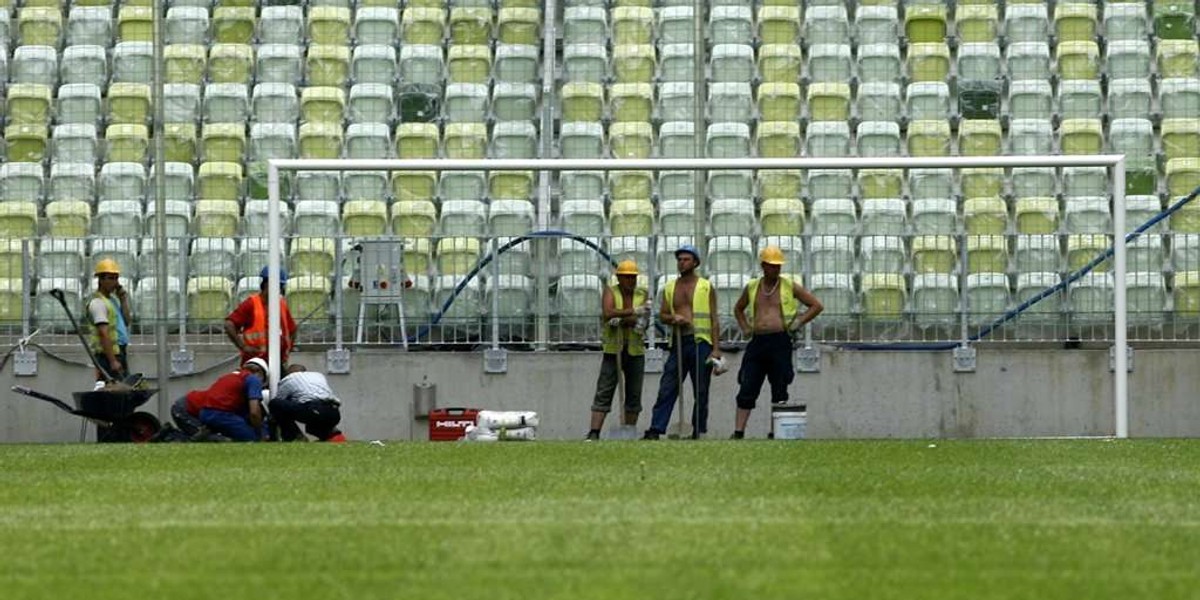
(98,310)
(305,386)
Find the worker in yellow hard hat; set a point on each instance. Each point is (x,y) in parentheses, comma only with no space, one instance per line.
(108,321)
(623,306)
(774,302)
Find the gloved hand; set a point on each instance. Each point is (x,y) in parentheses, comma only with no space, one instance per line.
(719,365)
(642,310)
(614,322)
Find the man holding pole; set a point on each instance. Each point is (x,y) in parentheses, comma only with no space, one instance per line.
(624,363)
(689,306)
(774,306)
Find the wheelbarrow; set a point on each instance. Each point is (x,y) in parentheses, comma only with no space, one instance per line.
(114,411)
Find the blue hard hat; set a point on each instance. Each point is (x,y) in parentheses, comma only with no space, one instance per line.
(266,272)
(690,249)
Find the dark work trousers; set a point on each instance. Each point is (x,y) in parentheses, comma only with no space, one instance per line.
(693,352)
(768,356)
(633,367)
(320,418)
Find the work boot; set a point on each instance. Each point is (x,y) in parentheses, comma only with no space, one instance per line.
(592,436)
(651,434)
(337,438)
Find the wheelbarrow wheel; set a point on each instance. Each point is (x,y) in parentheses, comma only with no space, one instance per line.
(142,427)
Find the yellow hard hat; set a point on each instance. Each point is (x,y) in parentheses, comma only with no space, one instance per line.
(108,265)
(771,255)
(627,267)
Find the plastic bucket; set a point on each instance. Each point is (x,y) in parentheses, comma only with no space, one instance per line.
(789,425)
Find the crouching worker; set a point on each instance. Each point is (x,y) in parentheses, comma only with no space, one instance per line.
(305,397)
(232,406)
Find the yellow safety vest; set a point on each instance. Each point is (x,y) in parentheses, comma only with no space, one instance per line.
(787,299)
(612,335)
(701,312)
(94,331)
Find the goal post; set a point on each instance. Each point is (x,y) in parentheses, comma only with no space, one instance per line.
(1115,163)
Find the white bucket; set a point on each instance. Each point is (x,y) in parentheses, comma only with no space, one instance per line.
(789,425)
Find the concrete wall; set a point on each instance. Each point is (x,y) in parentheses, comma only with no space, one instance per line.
(1014,392)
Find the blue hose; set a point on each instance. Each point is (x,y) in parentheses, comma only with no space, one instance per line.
(1022,307)
(483,262)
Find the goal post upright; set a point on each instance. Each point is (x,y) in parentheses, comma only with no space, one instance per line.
(1115,163)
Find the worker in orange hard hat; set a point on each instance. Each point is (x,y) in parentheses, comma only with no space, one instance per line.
(108,319)
(623,307)
(774,302)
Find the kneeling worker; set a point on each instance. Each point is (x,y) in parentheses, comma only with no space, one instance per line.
(773,301)
(305,397)
(231,406)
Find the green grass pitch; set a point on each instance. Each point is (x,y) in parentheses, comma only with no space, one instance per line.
(906,520)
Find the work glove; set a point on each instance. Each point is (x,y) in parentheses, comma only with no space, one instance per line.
(642,310)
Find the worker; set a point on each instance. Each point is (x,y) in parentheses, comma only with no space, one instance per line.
(305,397)
(231,407)
(108,322)
(622,306)
(246,326)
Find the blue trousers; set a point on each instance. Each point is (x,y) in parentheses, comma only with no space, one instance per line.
(693,353)
(231,425)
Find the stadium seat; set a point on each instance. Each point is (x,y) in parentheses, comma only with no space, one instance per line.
(829,63)
(61,258)
(457,255)
(987,254)
(935,300)
(877,101)
(1179,97)
(925,23)
(934,254)
(1125,21)
(1030,99)
(928,101)
(581,25)
(329,65)
(518,63)
(985,215)
(311,256)
(1185,294)
(777,63)
(1028,61)
(1030,136)
(1180,138)
(92,26)
(879,63)
(585,62)
(977,22)
(381,24)
(39,26)
(884,296)
(469,64)
(281,25)
(928,62)
(1091,299)
(838,296)
(676,216)
(676,102)
(978,137)
(882,254)
(929,138)
(18,219)
(68,218)
(876,24)
(832,253)
(631,102)
(329,25)
(1081,136)
(731,254)
(884,216)
(932,216)
(1129,99)
(279,63)
(781,25)
(208,301)
(374,63)
(422,25)
(1177,58)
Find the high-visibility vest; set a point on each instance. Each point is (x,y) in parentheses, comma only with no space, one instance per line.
(114,325)
(701,312)
(787,299)
(612,336)
(255,336)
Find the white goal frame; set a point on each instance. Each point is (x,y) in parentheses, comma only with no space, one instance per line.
(1115,163)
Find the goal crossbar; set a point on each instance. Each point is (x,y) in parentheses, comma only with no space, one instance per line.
(1114,162)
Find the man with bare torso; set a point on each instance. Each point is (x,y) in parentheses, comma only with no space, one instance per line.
(773,301)
(690,307)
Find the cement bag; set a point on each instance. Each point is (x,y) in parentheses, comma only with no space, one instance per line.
(479,434)
(506,419)
(520,434)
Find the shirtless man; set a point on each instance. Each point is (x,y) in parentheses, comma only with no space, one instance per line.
(690,307)
(773,302)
